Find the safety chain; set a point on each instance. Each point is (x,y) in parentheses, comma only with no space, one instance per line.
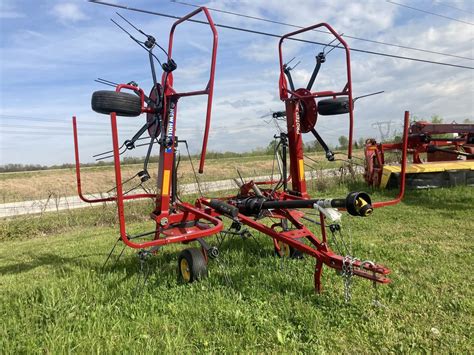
(347,264)
(348,261)
(347,270)
(347,273)
(340,245)
(376,300)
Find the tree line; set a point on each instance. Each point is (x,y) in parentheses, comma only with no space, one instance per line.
(313,146)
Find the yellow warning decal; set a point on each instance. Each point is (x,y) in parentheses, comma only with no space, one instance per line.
(166,183)
(301,169)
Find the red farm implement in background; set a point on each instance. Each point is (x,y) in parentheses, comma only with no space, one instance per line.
(442,156)
(272,208)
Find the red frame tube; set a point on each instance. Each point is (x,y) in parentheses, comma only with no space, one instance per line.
(210,86)
(78,175)
(319,248)
(401,192)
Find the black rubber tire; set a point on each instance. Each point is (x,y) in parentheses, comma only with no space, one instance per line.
(294,253)
(197,265)
(337,106)
(122,103)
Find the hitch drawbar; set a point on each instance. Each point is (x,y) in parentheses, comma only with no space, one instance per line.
(356,204)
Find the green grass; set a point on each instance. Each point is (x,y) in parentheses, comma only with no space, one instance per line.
(55,298)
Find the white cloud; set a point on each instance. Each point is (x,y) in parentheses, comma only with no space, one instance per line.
(8,10)
(247,73)
(68,12)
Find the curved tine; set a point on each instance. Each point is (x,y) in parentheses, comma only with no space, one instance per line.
(131,24)
(136,41)
(124,182)
(133,188)
(143,33)
(103,158)
(110,254)
(287,63)
(107,152)
(331,42)
(282,177)
(333,46)
(103,83)
(294,66)
(314,161)
(111,156)
(110,151)
(107,81)
(142,145)
(192,167)
(311,167)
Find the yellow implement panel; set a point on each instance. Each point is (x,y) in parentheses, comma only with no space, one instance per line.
(433,167)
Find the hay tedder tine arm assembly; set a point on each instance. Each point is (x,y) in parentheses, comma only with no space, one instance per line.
(346,91)
(175,221)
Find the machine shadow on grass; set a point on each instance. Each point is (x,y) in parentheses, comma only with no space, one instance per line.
(239,261)
(46,259)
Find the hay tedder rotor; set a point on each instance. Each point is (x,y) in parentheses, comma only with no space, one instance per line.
(280,209)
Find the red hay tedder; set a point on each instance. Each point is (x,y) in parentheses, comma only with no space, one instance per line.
(273,208)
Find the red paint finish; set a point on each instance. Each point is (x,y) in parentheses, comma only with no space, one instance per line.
(179,222)
(418,137)
(175,222)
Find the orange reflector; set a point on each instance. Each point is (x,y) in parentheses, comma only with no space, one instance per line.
(301,169)
(165,187)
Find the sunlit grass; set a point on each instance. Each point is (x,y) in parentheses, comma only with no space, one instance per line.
(56,298)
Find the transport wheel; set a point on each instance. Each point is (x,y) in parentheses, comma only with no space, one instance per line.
(287,251)
(337,106)
(192,265)
(122,103)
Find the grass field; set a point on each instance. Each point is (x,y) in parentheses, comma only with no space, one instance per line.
(55,297)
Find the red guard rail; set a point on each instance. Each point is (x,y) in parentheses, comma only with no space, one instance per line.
(401,192)
(78,175)
(209,90)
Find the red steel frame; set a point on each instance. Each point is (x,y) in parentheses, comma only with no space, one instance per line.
(170,217)
(316,247)
(165,214)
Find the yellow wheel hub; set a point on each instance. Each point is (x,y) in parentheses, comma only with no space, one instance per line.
(284,249)
(184,269)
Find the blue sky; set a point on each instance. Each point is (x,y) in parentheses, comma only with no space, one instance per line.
(51,51)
